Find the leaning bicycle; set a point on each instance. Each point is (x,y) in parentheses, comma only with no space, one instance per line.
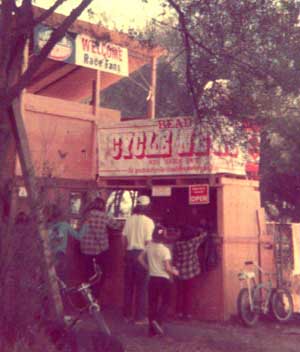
(91,304)
(262,298)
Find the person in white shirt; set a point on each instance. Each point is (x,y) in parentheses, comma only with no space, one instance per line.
(137,233)
(157,259)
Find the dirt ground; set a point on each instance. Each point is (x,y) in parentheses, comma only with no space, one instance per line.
(209,337)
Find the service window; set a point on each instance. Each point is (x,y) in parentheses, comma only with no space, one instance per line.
(120,203)
(75,208)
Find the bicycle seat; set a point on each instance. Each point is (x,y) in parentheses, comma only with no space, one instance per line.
(246,275)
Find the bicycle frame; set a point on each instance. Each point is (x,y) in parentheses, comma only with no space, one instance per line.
(250,279)
(85,290)
(265,304)
(262,297)
(253,287)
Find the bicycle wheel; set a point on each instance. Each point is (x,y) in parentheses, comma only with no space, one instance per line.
(247,315)
(282,304)
(99,319)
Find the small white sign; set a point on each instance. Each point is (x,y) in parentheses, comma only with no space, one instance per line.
(22,192)
(161,191)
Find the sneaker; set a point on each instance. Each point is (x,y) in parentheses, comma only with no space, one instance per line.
(141,322)
(68,319)
(157,328)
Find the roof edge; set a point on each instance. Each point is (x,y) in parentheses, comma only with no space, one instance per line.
(98,31)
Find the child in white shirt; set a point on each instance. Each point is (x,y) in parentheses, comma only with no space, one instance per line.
(157,259)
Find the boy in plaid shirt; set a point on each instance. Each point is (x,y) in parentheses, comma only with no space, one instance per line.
(186,261)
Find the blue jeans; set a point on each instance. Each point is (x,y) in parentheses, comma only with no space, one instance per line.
(135,286)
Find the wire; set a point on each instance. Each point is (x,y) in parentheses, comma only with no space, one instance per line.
(143,78)
(146,89)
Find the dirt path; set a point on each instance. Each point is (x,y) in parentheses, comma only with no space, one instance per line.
(211,337)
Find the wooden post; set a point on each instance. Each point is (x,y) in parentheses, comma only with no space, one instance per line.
(96,105)
(152,94)
(96,92)
(260,218)
(95,153)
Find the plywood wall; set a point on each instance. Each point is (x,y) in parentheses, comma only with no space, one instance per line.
(62,136)
(238,202)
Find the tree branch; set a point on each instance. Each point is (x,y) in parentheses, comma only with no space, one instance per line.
(38,60)
(6,22)
(261,73)
(48,12)
(186,39)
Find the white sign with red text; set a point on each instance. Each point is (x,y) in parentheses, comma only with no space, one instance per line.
(165,147)
(199,194)
(102,56)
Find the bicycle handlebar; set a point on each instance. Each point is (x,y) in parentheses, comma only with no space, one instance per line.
(250,262)
(84,285)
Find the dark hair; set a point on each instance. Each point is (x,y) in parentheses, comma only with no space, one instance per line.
(97,204)
(21,218)
(159,234)
(53,212)
(142,209)
(187,232)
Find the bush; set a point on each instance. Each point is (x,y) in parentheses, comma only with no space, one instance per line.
(24,300)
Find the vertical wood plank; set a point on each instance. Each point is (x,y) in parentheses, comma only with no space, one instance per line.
(96,92)
(152,100)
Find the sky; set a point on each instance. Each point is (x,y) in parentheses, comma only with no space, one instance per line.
(125,13)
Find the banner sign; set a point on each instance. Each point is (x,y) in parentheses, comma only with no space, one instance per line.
(85,51)
(174,146)
(102,56)
(199,194)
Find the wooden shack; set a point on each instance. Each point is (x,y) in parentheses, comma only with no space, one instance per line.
(69,140)
(188,183)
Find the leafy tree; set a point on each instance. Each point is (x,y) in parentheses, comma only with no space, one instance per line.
(17,23)
(252,44)
(130,95)
(252,47)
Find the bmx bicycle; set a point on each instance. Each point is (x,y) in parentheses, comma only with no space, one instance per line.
(91,304)
(262,298)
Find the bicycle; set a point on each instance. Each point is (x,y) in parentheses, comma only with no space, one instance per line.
(92,306)
(262,298)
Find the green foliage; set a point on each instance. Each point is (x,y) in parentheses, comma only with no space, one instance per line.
(130,95)
(253,46)
(280,167)
(250,43)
